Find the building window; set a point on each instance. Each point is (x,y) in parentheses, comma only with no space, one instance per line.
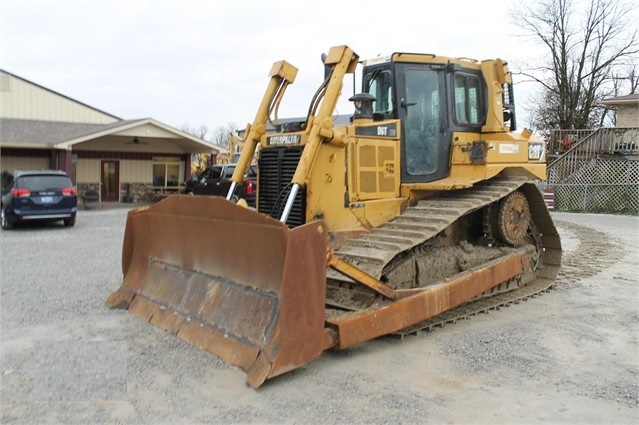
(166,171)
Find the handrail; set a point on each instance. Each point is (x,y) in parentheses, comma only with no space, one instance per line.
(578,147)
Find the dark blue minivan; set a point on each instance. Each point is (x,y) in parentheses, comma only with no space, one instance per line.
(37,195)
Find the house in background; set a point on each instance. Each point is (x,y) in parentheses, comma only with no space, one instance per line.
(626,109)
(597,169)
(142,158)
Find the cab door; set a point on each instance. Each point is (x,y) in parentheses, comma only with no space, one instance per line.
(426,134)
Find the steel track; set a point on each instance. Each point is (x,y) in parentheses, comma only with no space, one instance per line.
(374,252)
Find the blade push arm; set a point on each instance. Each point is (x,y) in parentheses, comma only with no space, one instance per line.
(282,74)
(341,60)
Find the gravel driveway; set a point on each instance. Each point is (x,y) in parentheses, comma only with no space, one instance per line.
(569,355)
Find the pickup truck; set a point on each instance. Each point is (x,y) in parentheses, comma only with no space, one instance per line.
(216,181)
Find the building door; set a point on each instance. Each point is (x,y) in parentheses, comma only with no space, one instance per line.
(110,181)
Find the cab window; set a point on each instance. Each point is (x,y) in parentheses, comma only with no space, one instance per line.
(379,84)
(467,100)
(421,125)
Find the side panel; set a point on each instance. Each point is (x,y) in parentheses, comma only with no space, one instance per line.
(356,187)
(374,171)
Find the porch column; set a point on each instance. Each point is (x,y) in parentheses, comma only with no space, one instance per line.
(187,166)
(64,161)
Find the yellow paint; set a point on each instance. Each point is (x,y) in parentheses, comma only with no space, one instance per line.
(352,173)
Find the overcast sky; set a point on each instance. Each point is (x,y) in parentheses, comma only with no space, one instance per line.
(186,62)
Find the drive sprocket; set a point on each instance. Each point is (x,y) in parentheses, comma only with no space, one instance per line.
(513,219)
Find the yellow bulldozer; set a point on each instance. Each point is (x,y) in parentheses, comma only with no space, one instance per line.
(422,209)
(199,162)
(235,146)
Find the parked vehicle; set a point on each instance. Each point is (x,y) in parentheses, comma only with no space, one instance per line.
(216,181)
(37,195)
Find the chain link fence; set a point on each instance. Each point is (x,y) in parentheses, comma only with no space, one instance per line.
(599,186)
(597,198)
(594,170)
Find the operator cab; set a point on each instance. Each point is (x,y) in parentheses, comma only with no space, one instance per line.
(433,97)
(414,93)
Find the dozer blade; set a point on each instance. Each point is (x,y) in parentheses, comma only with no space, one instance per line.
(228,280)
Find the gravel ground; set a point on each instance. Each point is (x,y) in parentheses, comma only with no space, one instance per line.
(567,356)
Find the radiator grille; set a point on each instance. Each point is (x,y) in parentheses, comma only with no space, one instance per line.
(277,167)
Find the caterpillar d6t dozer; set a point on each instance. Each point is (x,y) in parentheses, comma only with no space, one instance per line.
(421,209)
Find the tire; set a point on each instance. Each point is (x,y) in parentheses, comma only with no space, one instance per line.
(6,224)
(69,222)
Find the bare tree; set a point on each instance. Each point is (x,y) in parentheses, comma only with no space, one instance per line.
(198,160)
(623,82)
(220,135)
(586,54)
(199,132)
